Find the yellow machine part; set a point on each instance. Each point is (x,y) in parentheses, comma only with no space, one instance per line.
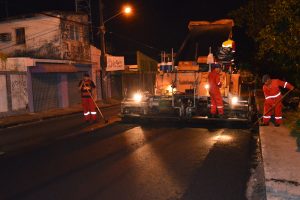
(187,81)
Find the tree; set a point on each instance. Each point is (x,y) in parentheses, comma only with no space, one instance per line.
(274,26)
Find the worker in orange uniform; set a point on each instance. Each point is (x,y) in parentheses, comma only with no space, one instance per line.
(86,86)
(272,99)
(214,91)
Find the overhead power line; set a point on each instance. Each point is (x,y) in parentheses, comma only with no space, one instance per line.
(39,34)
(64,19)
(135,41)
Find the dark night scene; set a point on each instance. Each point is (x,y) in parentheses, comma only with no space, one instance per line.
(144,100)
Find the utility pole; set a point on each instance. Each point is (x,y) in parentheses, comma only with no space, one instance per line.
(103,77)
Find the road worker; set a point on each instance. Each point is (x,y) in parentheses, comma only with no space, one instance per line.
(273,97)
(214,91)
(86,87)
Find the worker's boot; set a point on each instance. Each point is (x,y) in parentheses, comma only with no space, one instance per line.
(212,116)
(222,116)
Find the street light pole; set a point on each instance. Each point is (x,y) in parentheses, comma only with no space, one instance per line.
(104,75)
(103,53)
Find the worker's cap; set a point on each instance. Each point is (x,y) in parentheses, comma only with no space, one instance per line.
(86,75)
(265,78)
(215,65)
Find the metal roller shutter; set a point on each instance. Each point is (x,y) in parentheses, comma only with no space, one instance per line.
(73,92)
(116,86)
(45,91)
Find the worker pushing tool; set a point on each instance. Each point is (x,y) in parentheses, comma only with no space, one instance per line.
(273,99)
(86,87)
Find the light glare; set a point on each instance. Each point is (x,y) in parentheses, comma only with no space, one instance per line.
(127,10)
(137,97)
(234,100)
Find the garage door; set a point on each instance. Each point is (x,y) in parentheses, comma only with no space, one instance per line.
(73,92)
(45,91)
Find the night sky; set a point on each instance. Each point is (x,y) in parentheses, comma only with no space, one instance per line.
(155,25)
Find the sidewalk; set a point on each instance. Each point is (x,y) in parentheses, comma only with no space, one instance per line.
(281,163)
(16,141)
(38,116)
(281,160)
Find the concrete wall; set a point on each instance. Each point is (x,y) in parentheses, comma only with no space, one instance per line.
(42,37)
(19,94)
(3,94)
(16,64)
(13,85)
(63,36)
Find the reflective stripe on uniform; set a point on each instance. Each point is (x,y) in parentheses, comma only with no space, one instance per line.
(87,113)
(219,106)
(93,113)
(267,117)
(285,84)
(269,97)
(278,117)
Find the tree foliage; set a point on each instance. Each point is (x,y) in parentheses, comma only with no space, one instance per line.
(274,25)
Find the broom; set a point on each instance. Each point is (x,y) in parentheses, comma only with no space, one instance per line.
(277,102)
(105,120)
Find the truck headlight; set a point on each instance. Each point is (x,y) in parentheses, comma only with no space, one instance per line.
(234,100)
(206,86)
(169,89)
(137,97)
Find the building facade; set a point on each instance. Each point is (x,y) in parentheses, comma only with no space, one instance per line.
(43,57)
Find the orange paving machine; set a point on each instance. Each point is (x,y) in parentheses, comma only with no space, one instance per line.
(181,88)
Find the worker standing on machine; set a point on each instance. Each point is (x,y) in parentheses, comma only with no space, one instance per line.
(214,91)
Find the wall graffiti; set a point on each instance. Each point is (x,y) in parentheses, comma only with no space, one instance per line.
(66,52)
(75,41)
(19,95)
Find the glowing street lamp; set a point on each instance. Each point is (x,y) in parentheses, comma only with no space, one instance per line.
(126,10)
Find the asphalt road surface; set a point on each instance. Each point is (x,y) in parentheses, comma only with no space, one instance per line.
(131,161)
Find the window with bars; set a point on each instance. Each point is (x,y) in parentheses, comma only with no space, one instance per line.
(20,36)
(5,37)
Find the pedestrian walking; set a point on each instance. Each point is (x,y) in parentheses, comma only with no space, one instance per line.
(214,91)
(86,87)
(273,97)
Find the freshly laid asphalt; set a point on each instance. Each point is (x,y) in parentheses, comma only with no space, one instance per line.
(281,159)
(132,161)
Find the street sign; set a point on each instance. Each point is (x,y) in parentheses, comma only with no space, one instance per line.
(115,63)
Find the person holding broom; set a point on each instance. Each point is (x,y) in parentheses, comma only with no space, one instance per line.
(273,97)
(86,87)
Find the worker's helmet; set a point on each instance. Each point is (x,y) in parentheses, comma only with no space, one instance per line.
(265,78)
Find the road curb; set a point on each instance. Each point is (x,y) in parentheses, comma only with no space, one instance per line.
(14,148)
(41,118)
(279,163)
